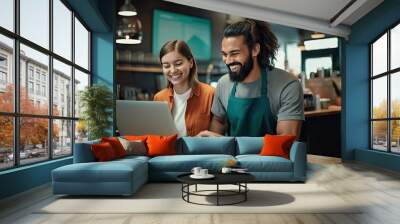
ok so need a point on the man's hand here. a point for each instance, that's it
(208, 134)
(217, 128)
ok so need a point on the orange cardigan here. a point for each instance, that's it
(198, 110)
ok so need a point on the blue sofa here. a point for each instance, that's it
(125, 176)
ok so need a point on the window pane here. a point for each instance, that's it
(62, 29)
(35, 21)
(321, 43)
(379, 135)
(33, 139)
(395, 94)
(395, 47)
(395, 136)
(379, 55)
(81, 131)
(34, 97)
(62, 89)
(62, 138)
(81, 45)
(6, 142)
(379, 98)
(7, 14)
(6, 74)
(81, 81)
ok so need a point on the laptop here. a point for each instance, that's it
(144, 117)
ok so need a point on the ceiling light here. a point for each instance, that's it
(127, 9)
(317, 35)
(129, 31)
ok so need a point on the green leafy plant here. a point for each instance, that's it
(96, 102)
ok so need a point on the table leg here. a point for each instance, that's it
(245, 191)
(217, 194)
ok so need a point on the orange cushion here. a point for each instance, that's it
(103, 151)
(116, 145)
(277, 145)
(161, 145)
(135, 137)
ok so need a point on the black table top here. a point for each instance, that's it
(220, 178)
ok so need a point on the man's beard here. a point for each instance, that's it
(244, 70)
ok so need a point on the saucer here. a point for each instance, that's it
(208, 176)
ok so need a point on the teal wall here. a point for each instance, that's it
(356, 86)
(100, 16)
(24, 178)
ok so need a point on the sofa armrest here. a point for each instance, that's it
(83, 152)
(298, 155)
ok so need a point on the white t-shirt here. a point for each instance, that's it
(179, 110)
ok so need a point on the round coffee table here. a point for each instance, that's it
(238, 179)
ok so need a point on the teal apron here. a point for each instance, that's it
(251, 116)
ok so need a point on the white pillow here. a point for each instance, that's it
(135, 147)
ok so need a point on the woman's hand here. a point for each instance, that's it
(207, 133)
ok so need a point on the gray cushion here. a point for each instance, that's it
(133, 147)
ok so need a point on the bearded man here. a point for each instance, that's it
(255, 98)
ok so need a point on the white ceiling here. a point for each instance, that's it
(314, 15)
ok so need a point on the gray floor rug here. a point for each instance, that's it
(166, 198)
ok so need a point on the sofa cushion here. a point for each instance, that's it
(206, 145)
(277, 145)
(185, 163)
(257, 163)
(83, 152)
(116, 145)
(103, 152)
(133, 147)
(112, 171)
(249, 145)
(161, 145)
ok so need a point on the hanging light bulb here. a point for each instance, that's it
(317, 35)
(127, 9)
(129, 31)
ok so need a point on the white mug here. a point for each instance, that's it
(203, 172)
(196, 170)
(226, 170)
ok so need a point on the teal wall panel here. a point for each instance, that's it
(195, 31)
(24, 178)
(356, 86)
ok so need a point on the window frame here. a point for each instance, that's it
(388, 74)
(16, 114)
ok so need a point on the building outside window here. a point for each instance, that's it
(35, 76)
(3, 72)
(385, 91)
(43, 90)
(38, 89)
(43, 77)
(30, 72)
(3, 80)
(30, 87)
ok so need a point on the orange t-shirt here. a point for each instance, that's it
(198, 110)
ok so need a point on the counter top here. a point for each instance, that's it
(331, 110)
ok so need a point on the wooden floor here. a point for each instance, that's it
(377, 188)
